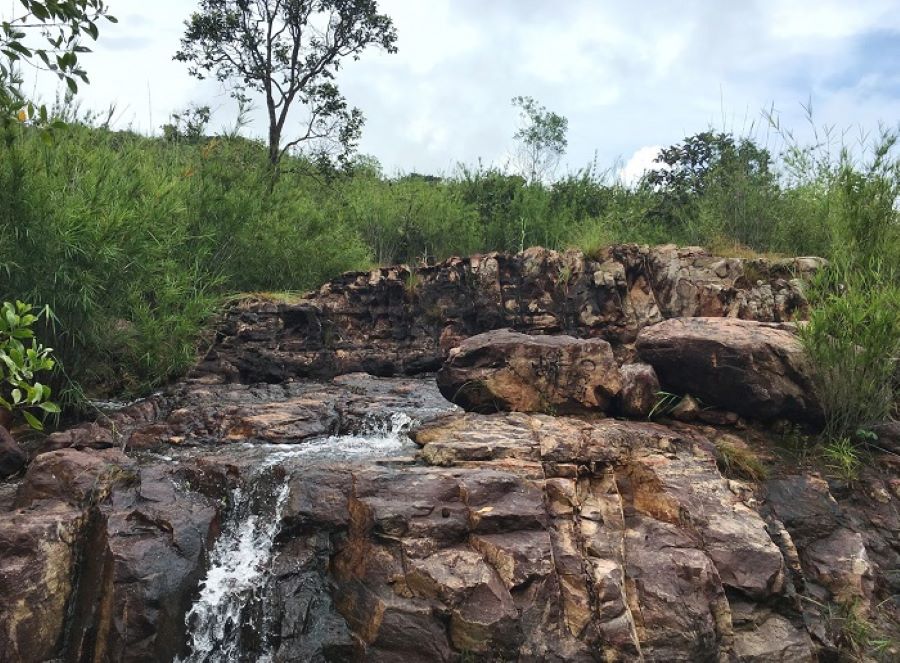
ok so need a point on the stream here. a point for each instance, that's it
(232, 603)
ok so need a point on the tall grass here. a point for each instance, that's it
(853, 335)
(135, 241)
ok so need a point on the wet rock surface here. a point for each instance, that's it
(367, 519)
(510, 536)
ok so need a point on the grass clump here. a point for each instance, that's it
(736, 460)
(853, 335)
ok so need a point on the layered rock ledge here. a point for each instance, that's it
(402, 320)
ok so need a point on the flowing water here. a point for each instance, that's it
(237, 577)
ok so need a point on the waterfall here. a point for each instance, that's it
(241, 558)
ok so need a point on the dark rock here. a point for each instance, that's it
(640, 390)
(12, 457)
(758, 370)
(888, 436)
(688, 409)
(504, 370)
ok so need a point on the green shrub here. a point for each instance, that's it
(853, 340)
(22, 358)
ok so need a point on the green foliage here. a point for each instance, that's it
(853, 336)
(842, 458)
(135, 241)
(188, 125)
(288, 51)
(48, 35)
(853, 339)
(22, 357)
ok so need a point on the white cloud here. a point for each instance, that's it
(639, 163)
(625, 75)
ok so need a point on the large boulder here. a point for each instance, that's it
(756, 369)
(505, 370)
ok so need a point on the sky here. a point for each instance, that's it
(629, 76)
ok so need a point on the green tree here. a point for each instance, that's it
(689, 168)
(289, 51)
(47, 35)
(541, 140)
(714, 185)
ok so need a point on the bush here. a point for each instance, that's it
(22, 357)
(134, 241)
(853, 339)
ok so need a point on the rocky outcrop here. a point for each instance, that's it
(402, 320)
(513, 536)
(756, 369)
(504, 370)
(253, 514)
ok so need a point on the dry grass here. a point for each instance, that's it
(728, 248)
(737, 460)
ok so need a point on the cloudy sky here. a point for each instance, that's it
(629, 76)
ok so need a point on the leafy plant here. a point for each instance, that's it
(48, 35)
(22, 357)
(853, 340)
(541, 137)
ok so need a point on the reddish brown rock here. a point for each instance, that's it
(758, 370)
(504, 370)
(372, 322)
(640, 390)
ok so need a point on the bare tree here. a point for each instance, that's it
(542, 139)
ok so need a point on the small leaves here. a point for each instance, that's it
(62, 24)
(19, 363)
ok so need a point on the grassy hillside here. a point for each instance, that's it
(134, 241)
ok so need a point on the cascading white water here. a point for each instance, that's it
(242, 555)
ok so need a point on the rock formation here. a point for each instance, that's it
(504, 370)
(259, 513)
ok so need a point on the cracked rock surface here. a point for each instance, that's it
(386, 524)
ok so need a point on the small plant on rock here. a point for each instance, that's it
(737, 460)
(22, 357)
(665, 403)
(842, 458)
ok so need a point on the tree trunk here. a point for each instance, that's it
(274, 156)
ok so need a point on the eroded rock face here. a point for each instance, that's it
(504, 370)
(376, 323)
(640, 390)
(509, 536)
(756, 369)
(515, 536)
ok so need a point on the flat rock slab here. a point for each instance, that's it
(756, 369)
(505, 370)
